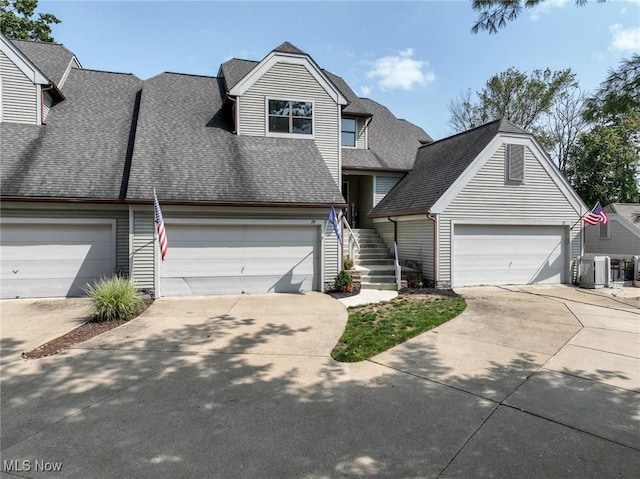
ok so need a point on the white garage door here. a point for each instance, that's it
(234, 259)
(44, 259)
(489, 254)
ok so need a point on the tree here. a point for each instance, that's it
(565, 123)
(604, 165)
(495, 14)
(17, 21)
(546, 103)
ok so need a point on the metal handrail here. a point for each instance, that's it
(352, 238)
(396, 264)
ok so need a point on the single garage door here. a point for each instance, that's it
(51, 259)
(234, 259)
(489, 254)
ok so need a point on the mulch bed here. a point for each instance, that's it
(343, 294)
(83, 332)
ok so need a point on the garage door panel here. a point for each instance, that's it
(56, 233)
(232, 259)
(182, 253)
(55, 270)
(202, 286)
(99, 250)
(235, 267)
(508, 254)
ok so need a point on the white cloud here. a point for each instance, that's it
(545, 7)
(400, 72)
(625, 39)
(365, 90)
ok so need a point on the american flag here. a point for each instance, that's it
(162, 235)
(595, 215)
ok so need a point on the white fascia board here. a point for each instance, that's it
(502, 138)
(74, 63)
(278, 57)
(22, 62)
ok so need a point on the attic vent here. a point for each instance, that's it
(515, 163)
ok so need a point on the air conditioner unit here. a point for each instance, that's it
(595, 271)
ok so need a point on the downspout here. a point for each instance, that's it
(435, 248)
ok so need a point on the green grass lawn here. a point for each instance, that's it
(374, 328)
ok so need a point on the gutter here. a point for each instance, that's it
(147, 201)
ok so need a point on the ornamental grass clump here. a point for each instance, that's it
(114, 299)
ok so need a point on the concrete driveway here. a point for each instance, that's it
(521, 384)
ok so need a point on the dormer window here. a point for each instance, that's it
(290, 117)
(348, 132)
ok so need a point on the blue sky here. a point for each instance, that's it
(413, 57)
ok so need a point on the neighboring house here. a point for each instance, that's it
(246, 166)
(486, 206)
(620, 236)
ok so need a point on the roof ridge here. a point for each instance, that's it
(185, 74)
(94, 70)
(485, 125)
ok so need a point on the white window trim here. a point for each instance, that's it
(289, 135)
(355, 133)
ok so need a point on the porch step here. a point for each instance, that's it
(385, 286)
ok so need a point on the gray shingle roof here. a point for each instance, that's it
(436, 168)
(393, 142)
(186, 150)
(235, 70)
(81, 151)
(287, 47)
(52, 59)
(629, 211)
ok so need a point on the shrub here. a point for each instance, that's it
(343, 281)
(114, 299)
(347, 263)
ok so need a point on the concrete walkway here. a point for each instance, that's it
(519, 385)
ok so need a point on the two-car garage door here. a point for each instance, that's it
(52, 258)
(508, 254)
(231, 259)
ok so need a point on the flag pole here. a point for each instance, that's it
(582, 217)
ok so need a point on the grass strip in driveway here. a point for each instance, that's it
(374, 328)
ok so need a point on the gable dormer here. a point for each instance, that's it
(21, 86)
(286, 95)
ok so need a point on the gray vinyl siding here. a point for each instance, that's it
(143, 254)
(384, 184)
(19, 94)
(415, 242)
(487, 198)
(65, 211)
(294, 82)
(46, 106)
(361, 134)
(144, 228)
(621, 241)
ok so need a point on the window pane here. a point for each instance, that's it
(302, 125)
(302, 108)
(279, 124)
(348, 138)
(278, 107)
(349, 124)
